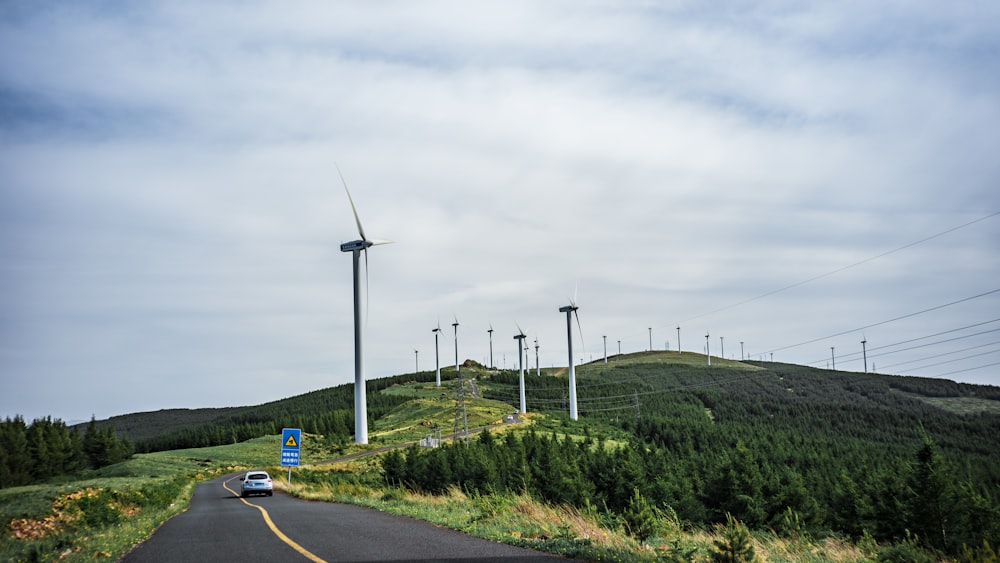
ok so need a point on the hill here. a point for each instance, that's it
(665, 441)
(650, 383)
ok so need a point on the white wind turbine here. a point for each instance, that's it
(437, 356)
(520, 364)
(355, 248)
(570, 311)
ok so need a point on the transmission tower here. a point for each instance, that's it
(460, 411)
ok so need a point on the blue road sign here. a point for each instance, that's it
(291, 440)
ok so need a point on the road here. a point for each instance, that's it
(221, 526)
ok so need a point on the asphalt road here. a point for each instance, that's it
(220, 526)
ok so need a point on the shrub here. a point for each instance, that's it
(734, 544)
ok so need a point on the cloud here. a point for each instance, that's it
(170, 210)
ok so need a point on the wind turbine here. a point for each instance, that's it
(416, 361)
(708, 352)
(538, 367)
(864, 351)
(570, 311)
(520, 365)
(491, 345)
(355, 248)
(437, 356)
(455, 326)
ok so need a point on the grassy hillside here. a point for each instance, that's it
(812, 464)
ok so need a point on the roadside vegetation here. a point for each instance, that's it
(670, 461)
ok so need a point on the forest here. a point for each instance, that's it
(46, 448)
(780, 447)
(787, 448)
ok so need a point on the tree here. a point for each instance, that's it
(931, 501)
(733, 544)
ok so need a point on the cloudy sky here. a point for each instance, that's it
(789, 176)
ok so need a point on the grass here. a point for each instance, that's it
(104, 513)
(665, 357)
(960, 405)
(517, 519)
(417, 418)
(101, 514)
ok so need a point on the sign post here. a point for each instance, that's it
(291, 441)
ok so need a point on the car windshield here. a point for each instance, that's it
(257, 476)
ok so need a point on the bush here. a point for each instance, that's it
(641, 519)
(733, 544)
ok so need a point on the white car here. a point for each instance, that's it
(256, 482)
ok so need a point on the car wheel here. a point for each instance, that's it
(270, 493)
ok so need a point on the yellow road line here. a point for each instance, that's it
(270, 524)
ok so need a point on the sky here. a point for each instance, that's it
(788, 178)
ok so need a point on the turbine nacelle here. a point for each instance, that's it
(355, 245)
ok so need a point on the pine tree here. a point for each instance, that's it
(734, 544)
(931, 496)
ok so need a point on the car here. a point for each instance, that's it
(256, 482)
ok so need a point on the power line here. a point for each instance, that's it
(901, 342)
(967, 369)
(957, 359)
(859, 329)
(913, 347)
(940, 355)
(838, 270)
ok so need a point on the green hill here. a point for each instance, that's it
(663, 441)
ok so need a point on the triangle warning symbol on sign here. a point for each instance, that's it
(290, 442)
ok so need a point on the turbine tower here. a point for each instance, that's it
(416, 361)
(605, 337)
(538, 367)
(678, 339)
(708, 353)
(437, 356)
(455, 326)
(355, 248)
(519, 337)
(570, 311)
(491, 345)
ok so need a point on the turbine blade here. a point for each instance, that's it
(366, 286)
(583, 347)
(361, 230)
(377, 242)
